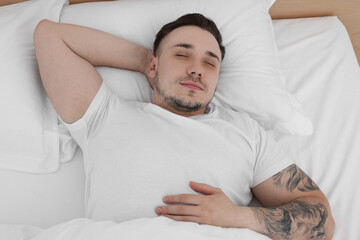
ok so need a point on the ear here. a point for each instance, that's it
(152, 67)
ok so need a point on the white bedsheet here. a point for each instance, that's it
(43, 199)
(159, 228)
(321, 70)
(18, 232)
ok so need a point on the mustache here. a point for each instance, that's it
(193, 79)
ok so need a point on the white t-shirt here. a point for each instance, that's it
(135, 153)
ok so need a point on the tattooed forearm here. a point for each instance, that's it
(294, 178)
(296, 220)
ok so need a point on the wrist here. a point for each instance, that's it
(244, 217)
(147, 54)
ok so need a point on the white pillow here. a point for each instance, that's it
(250, 79)
(29, 138)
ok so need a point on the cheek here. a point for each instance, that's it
(213, 81)
(170, 73)
(164, 79)
(166, 67)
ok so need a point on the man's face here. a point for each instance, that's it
(186, 71)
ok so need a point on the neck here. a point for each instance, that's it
(181, 110)
(183, 113)
(179, 106)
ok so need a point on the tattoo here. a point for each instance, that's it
(293, 177)
(297, 219)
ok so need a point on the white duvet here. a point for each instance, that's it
(157, 228)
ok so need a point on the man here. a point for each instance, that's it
(226, 147)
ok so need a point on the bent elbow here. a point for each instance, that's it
(43, 29)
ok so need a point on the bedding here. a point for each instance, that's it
(18, 232)
(321, 71)
(159, 228)
(29, 137)
(250, 79)
(43, 199)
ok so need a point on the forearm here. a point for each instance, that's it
(306, 218)
(303, 217)
(100, 48)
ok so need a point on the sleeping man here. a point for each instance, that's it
(178, 156)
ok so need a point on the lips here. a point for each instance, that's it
(192, 85)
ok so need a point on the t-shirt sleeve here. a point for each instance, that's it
(270, 158)
(94, 116)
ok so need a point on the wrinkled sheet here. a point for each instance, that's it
(159, 228)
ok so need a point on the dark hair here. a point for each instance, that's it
(192, 19)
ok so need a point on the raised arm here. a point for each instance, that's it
(66, 56)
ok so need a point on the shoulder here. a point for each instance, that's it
(117, 102)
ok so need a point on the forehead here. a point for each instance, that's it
(201, 39)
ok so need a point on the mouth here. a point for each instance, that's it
(192, 86)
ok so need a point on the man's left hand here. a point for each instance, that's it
(213, 207)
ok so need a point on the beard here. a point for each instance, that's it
(177, 103)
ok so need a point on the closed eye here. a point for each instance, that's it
(209, 63)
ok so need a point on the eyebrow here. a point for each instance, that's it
(190, 46)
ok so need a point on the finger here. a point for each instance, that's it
(204, 188)
(183, 210)
(184, 218)
(183, 198)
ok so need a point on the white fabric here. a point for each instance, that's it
(251, 79)
(29, 138)
(136, 153)
(18, 232)
(43, 199)
(322, 71)
(321, 68)
(159, 228)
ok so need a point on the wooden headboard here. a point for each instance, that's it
(348, 11)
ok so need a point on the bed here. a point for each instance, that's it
(319, 64)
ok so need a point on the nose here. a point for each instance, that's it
(194, 70)
(196, 74)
